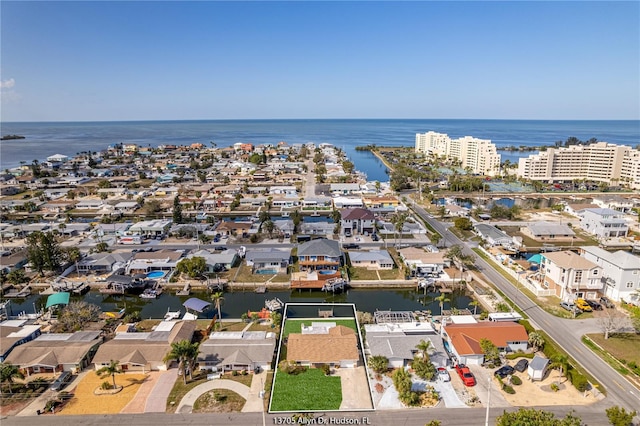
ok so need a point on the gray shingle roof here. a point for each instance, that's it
(320, 247)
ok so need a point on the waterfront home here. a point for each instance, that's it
(151, 228)
(493, 236)
(104, 263)
(574, 209)
(144, 351)
(620, 271)
(464, 339)
(268, 260)
(421, 262)
(324, 343)
(380, 202)
(603, 223)
(548, 231)
(237, 350)
(347, 202)
(372, 260)
(317, 228)
(357, 221)
(319, 254)
(344, 188)
(126, 206)
(14, 333)
(216, 262)
(614, 202)
(570, 275)
(55, 352)
(90, 204)
(234, 228)
(397, 342)
(147, 261)
(12, 261)
(284, 226)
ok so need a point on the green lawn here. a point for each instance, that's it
(308, 391)
(623, 346)
(294, 326)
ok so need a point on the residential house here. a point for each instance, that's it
(357, 221)
(604, 223)
(464, 339)
(104, 263)
(54, 352)
(620, 271)
(320, 254)
(269, 260)
(146, 261)
(372, 260)
(493, 236)
(126, 206)
(347, 202)
(574, 209)
(614, 202)
(14, 333)
(398, 342)
(548, 231)
(570, 275)
(344, 188)
(422, 263)
(380, 202)
(237, 350)
(12, 261)
(217, 262)
(144, 351)
(234, 228)
(151, 228)
(324, 343)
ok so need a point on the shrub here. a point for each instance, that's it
(234, 373)
(578, 380)
(554, 387)
(326, 369)
(379, 388)
(508, 389)
(517, 355)
(515, 380)
(106, 385)
(484, 315)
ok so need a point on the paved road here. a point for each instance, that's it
(619, 390)
(417, 417)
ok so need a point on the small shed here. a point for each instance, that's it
(538, 368)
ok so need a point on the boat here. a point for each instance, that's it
(170, 316)
(151, 293)
(426, 282)
(315, 214)
(274, 304)
(334, 284)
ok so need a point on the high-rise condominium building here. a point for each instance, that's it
(600, 162)
(480, 155)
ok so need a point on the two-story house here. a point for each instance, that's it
(604, 223)
(357, 221)
(320, 255)
(620, 271)
(570, 275)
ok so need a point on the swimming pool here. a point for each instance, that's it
(156, 274)
(266, 271)
(327, 272)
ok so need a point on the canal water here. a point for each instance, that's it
(237, 303)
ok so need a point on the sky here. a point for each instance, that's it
(122, 60)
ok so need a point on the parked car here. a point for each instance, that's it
(374, 237)
(444, 374)
(61, 381)
(568, 306)
(351, 246)
(594, 305)
(466, 375)
(606, 302)
(521, 365)
(583, 305)
(504, 371)
(221, 248)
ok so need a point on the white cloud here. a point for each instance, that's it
(7, 84)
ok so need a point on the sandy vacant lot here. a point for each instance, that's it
(86, 402)
(539, 393)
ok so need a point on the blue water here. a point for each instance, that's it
(266, 271)
(327, 271)
(44, 139)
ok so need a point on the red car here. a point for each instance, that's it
(466, 375)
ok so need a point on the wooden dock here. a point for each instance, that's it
(186, 290)
(261, 289)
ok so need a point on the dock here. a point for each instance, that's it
(185, 291)
(261, 290)
(334, 284)
(18, 294)
(274, 304)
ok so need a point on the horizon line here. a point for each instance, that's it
(317, 119)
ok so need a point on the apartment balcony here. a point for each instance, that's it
(595, 284)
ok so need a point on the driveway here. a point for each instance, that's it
(186, 404)
(445, 389)
(354, 383)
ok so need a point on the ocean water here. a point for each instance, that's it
(69, 138)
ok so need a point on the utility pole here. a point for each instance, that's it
(486, 417)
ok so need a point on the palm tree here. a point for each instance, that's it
(475, 304)
(424, 347)
(442, 299)
(110, 370)
(269, 227)
(217, 299)
(398, 222)
(536, 340)
(8, 372)
(185, 353)
(560, 362)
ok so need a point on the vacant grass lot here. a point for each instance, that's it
(308, 391)
(622, 346)
(295, 326)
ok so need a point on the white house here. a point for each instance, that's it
(620, 271)
(373, 260)
(604, 223)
